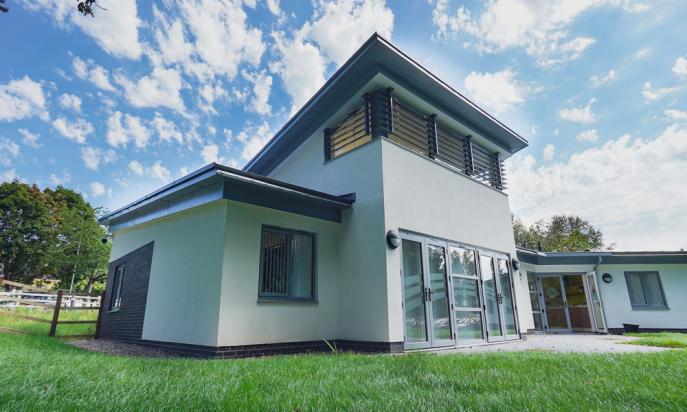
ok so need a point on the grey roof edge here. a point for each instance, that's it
(606, 257)
(216, 169)
(375, 37)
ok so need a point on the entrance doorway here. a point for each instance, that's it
(455, 294)
(568, 302)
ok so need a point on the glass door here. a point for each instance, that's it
(467, 301)
(492, 310)
(595, 303)
(506, 300)
(554, 304)
(577, 303)
(415, 314)
(426, 303)
(438, 294)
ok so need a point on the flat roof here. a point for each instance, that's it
(216, 181)
(606, 257)
(378, 55)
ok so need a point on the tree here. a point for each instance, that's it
(84, 7)
(53, 232)
(3, 8)
(560, 234)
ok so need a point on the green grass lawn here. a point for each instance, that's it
(42, 373)
(38, 328)
(664, 339)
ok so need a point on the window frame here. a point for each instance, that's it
(277, 297)
(641, 273)
(116, 296)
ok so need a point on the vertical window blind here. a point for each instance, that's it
(645, 290)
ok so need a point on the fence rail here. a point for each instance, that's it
(47, 299)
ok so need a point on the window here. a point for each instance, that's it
(116, 299)
(287, 264)
(645, 290)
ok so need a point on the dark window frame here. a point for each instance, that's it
(116, 293)
(287, 297)
(635, 306)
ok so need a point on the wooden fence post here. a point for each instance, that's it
(100, 314)
(56, 313)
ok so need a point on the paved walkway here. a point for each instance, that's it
(562, 343)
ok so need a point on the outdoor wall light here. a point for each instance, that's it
(393, 239)
(515, 263)
(607, 278)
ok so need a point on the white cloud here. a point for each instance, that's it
(22, 99)
(131, 129)
(171, 39)
(8, 152)
(650, 93)
(598, 81)
(499, 91)
(8, 175)
(628, 187)
(262, 84)
(549, 151)
(70, 101)
(300, 65)
(579, 114)
(166, 130)
(539, 27)
(210, 153)
(115, 30)
(94, 73)
(160, 172)
(136, 168)
(98, 189)
(253, 139)
(680, 67)
(341, 26)
(159, 89)
(93, 156)
(76, 131)
(30, 139)
(643, 53)
(273, 7)
(223, 39)
(60, 180)
(210, 93)
(676, 115)
(590, 135)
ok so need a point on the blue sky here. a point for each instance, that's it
(118, 105)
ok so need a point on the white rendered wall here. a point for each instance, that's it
(184, 287)
(616, 299)
(362, 265)
(243, 320)
(427, 198)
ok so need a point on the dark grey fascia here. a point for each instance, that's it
(378, 55)
(215, 182)
(607, 258)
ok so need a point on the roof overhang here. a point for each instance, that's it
(216, 182)
(377, 55)
(608, 258)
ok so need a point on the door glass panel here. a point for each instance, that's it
(534, 300)
(441, 323)
(507, 298)
(596, 303)
(465, 293)
(553, 302)
(469, 325)
(463, 262)
(490, 299)
(577, 302)
(413, 290)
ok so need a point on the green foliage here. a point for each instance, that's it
(560, 234)
(50, 232)
(40, 373)
(32, 327)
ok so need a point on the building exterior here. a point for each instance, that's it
(374, 220)
(602, 291)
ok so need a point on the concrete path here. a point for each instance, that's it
(562, 343)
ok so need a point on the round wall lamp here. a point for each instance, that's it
(393, 239)
(607, 278)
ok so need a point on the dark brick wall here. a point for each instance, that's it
(127, 322)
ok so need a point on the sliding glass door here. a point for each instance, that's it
(467, 300)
